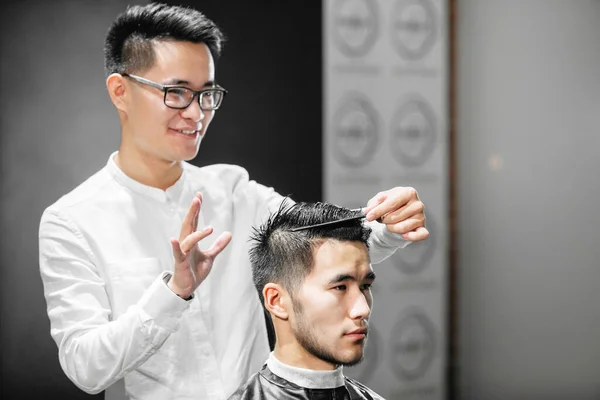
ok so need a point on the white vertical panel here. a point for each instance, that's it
(385, 124)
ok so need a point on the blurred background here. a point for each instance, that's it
(488, 108)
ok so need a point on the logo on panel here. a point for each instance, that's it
(413, 28)
(413, 132)
(355, 26)
(412, 345)
(355, 129)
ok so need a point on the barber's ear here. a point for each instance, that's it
(276, 300)
(115, 84)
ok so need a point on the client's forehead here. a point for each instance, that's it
(334, 256)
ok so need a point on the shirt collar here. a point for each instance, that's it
(172, 193)
(306, 378)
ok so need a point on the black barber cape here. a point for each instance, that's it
(265, 385)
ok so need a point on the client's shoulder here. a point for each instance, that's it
(361, 390)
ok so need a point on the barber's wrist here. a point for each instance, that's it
(168, 282)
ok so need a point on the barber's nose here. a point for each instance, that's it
(193, 111)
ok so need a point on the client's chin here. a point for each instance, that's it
(354, 361)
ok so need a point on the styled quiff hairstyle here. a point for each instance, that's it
(283, 256)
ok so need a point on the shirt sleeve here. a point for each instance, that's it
(94, 350)
(264, 200)
(383, 243)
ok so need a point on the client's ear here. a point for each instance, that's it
(275, 300)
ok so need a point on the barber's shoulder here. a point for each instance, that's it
(84, 192)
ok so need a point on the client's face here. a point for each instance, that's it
(332, 308)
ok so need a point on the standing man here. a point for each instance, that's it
(140, 301)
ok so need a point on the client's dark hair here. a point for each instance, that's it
(282, 256)
(129, 42)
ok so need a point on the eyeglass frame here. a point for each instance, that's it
(165, 88)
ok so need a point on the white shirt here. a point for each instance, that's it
(306, 378)
(104, 254)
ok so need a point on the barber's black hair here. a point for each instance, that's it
(129, 42)
(279, 255)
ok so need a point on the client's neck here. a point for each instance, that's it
(293, 354)
(306, 378)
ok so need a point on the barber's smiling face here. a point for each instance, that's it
(159, 131)
(332, 307)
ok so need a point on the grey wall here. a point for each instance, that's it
(529, 158)
(57, 127)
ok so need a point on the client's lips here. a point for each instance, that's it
(362, 331)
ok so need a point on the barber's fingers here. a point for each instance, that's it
(219, 244)
(389, 201)
(408, 225)
(411, 210)
(192, 239)
(190, 221)
(181, 249)
(416, 235)
(177, 253)
(375, 201)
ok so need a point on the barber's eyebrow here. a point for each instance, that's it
(183, 82)
(345, 277)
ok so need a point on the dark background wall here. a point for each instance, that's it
(271, 65)
(57, 127)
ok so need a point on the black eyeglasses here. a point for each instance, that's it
(180, 97)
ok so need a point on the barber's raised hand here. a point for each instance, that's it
(193, 265)
(401, 211)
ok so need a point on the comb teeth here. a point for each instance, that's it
(337, 221)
